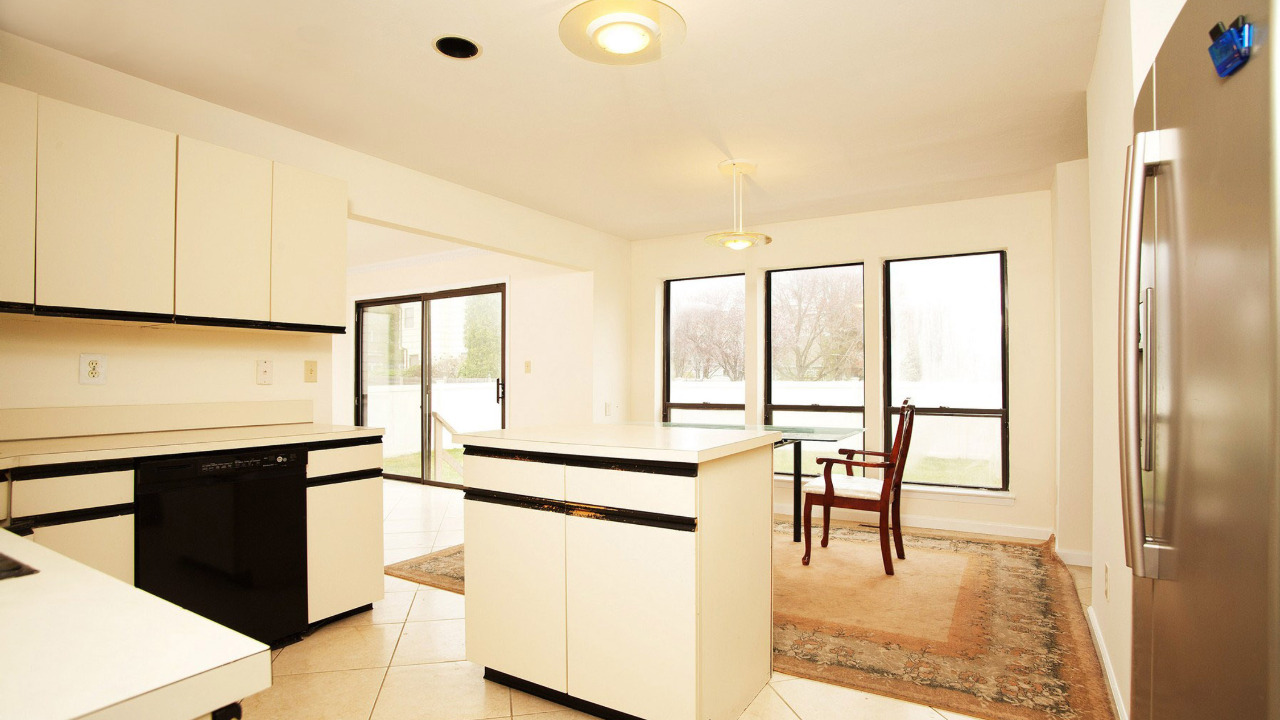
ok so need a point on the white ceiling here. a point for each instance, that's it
(847, 105)
(369, 244)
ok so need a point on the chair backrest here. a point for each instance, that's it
(902, 441)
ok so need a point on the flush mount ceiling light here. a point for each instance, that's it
(737, 239)
(622, 32)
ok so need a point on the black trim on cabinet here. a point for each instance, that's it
(653, 467)
(36, 472)
(345, 442)
(16, 307)
(344, 477)
(556, 696)
(591, 512)
(73, 516)
(258, 324)
(96, 314)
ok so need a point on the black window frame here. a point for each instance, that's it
(667, 405)
(942, 411)
(769, 406)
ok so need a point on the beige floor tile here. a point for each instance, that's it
(436, 604)
(339, 648)
(781, 677)
(394, 584)
(395, 555)
(341, 695)
(444, 691)
(391, 541)
(818, 701)
(561, 714)
(405, 526)
(451, 522)
(768, 705)
(447, 539)
(1086, 596)
(391, 609)
(274, 653)
(436, 641)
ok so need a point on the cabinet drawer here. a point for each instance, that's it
(518, 477)
(336, 461)
(105, 544)
(649, 492)
(71, 492)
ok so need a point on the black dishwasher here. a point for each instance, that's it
(224, 535)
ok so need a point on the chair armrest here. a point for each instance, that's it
(850, 453)
(853, 463)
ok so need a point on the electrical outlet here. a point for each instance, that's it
(310, 371)
(93, 369)
(1106, 580)
(528, 366)
(608, 409)
(265, 372)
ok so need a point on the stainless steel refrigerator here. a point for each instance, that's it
(1199, 378)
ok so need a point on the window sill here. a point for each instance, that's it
(951, 494)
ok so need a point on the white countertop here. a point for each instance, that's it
(78, 643)
(625, 442)
(87, 448)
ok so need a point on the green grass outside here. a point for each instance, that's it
(922, 471)
(410, 465)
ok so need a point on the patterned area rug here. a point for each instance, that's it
(442, 569)
(990, 629)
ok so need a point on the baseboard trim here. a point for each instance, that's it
(1100, 646)
(1075, 557)
(1021, 532)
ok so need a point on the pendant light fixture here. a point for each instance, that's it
(737, 238)
(622, 32)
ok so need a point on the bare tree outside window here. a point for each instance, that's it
(706, 330)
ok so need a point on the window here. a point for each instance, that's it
(946, 344)
(704, 363)
(814, 359)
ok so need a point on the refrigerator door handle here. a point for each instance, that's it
(1130, 319)
(1147, 342)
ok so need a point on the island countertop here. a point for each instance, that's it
(81, 644)
(625, 442)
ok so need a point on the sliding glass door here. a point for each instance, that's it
(429, 366)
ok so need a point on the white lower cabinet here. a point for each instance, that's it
(515, 570)
(105, 544)
(344, 546)
(632, 610)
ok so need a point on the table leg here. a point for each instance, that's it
(795, 493)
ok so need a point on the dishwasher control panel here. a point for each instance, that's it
(272, 459)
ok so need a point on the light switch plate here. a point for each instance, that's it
(265, 372)
(93, 369)
(310, 371)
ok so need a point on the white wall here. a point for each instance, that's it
(40, 361)
(1020, 224)
(1074, 337)
(549, 312)
(378, 190)
(1132, 31)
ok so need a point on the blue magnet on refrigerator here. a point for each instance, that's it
(1231, 46)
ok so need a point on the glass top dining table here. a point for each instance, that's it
(792, 435)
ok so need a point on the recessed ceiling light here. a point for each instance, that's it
(622, 32)
(457, 47)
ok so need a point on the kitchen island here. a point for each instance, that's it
(621, 569)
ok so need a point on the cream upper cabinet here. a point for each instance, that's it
(308, 248)
(17, 195)
(223, 233)
(104, 211)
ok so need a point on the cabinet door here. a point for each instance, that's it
(17, 195)
(515, 591)
(105, 544)
(104, 211)
(344, 547)
(308, 248)
(223, 233)
(631, 601)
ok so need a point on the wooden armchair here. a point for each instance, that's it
(882, 495)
